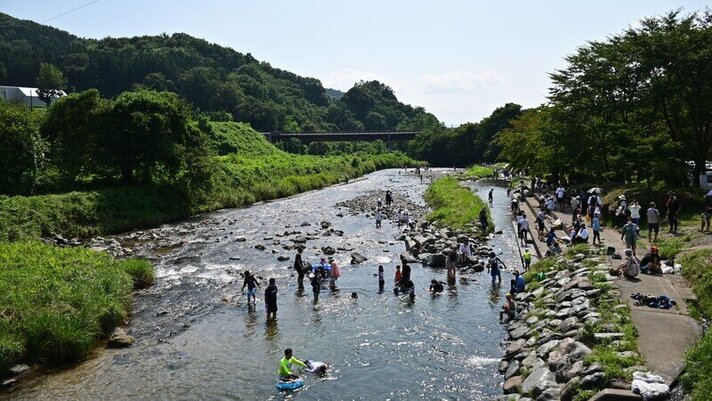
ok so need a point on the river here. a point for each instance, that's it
(198, 339)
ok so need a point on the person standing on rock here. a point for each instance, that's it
(335, 274)
(299, 268)
(490, 196)
(379, 217)
(465, 251)
(271, 299)
(389, 199)
(252, 285)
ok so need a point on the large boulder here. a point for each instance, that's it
(512, 385)
(328, 250)
(408, 258)
(539, 381)
(435, 260)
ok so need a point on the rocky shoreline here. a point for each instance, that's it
(562, 322)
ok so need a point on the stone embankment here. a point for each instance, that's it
(571, 336)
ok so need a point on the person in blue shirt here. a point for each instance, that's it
(518, 283)
(596, 226)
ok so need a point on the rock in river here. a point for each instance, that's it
(357, 258)
(119, 339)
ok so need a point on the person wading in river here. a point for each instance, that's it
(299, 268)
(271, 299)
(252, 285)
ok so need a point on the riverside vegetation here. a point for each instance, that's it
(55, 303)
(454, 205)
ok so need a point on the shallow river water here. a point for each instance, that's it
(198, 339)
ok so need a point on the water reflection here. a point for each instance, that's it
(271, 330)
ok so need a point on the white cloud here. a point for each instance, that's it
(345, 79)
(466, 81)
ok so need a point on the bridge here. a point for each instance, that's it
(307, 137)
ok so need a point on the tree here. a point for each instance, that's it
(149, 137)
(72, 127)
(21, 150)
(50, 83)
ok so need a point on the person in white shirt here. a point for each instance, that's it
(465, 252)
(581, 236)
(560, 194)
(524, 228)
(379, 217)
(635, 212)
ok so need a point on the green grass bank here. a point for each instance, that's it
(246, 168)
(56, 303)
(454, 205)
(697, 379)
(479, 172)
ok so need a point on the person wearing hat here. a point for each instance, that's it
(335, 274)
(630, 266)
(650, 263)
(653, 222)
(621, 211)
(517, 284)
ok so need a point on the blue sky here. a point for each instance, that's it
(458, 59)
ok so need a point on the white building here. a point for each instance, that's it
(23, 95)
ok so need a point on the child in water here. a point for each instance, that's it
(381, 279)
(252, 285)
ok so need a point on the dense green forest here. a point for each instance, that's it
(467, 144)
(216, 80)
(636, 107)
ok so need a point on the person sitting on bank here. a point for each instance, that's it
(285, 364)
(509, 309)
(581, 236)
(630, 266)
(436, 286)
(650, 263)
(517, 284)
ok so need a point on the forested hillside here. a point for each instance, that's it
(216, 80)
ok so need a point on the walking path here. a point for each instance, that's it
(664, 334)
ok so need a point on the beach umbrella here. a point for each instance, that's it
(595, 190)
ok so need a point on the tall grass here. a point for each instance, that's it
(55, 303)
(454, 205)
